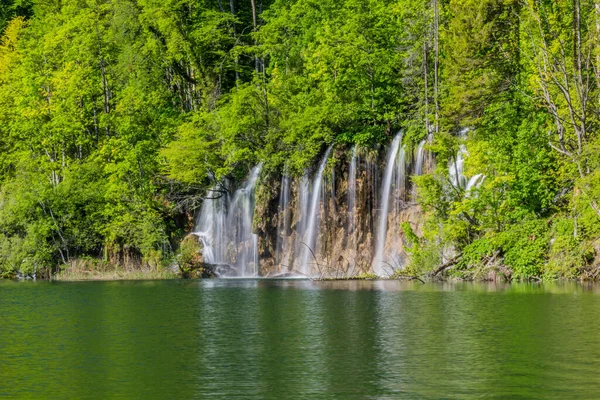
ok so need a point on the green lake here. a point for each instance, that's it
(287, 339)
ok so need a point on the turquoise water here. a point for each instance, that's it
(255, 339)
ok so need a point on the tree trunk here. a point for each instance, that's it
(597, 14)
(104, 79)
(256, 62)
(232, 8)
(436, 51)
(425, 72)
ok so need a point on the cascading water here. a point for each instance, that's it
(378, 261)
(419, 160)
(312, 225)
(475, 181)
(303, 203)
(456, 169)
(225, 228)
(240, 219)
(400, 179)
(210, 227)
(302, 209)
(362, 229)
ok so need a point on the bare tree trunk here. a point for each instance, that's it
(582, 88)
(256, 62)
(436, 50)
(565, 89)
(105, 88)
(597, 13)
(232, 8)
(426, 79)
(104, 79)
(577, 36)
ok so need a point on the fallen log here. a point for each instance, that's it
(450, 263)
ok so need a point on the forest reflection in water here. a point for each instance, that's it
(236, 338)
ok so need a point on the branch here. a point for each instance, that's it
(446, 265)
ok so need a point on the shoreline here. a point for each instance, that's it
(86, 270)
(84, 276)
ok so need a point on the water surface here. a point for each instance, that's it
(255, 339)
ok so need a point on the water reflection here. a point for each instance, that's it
(298, 339)
(567, 287)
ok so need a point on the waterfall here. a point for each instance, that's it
(400, 179)
(420, 156)
(210, 227)
(225, 228)
(303, 200)
(475, 181)
(301, 217)
(354, 225)
(312, 231)
(456, 169)
(378, 260)
(239, 219)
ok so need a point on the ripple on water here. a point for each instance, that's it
(266, 338)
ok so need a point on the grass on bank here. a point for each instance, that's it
(96, 270)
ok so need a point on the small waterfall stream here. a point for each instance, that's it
(475, 181)
(419, 160)
(312, 224)
(456, 169)
(210, 226)
(400, 180)
(301, 218)
(378, 260)
(225, 228)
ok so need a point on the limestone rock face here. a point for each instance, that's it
(331, 221)
(348, 217)
(266, 220)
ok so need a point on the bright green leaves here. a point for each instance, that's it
(195, 155)
(336, 67)
(86, 116)
(116, 115)
(481, 45)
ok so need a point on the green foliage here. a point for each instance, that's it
(117, 116)
(411, 237)
(568, 253)
(525, 246)
(426, 259)
(424, 252)
(472, 255)
(523, 249)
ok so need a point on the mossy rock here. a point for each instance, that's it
(190, 260)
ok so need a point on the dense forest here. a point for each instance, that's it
(117, 116)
